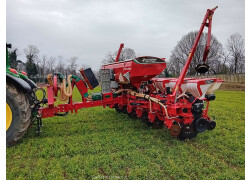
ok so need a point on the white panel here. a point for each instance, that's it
(213, 87)
(193, 89)
(171, 85)
(204, 89)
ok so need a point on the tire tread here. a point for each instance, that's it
(25, 114)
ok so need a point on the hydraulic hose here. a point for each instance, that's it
(150, 99)
(155, 100)
(65, 92)
(49, 78)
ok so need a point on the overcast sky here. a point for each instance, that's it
(89, 29)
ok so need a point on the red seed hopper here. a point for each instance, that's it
(137, 70)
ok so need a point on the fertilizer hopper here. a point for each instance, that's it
(162, 83)
(183, 87)
(216, 83)
(198, 87)
(137, 70)
(203, 88)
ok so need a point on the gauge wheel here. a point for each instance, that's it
(132, 114)
(187, 132)
(117, 109)
(157, 124)
(145, 119)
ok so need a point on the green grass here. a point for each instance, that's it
(99, 143)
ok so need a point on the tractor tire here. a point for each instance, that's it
(18, 115)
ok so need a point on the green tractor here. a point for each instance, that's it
(19, 102)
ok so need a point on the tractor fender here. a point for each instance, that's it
(31, 83)
(18, 83)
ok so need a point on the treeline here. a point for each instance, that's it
(38, 66)
(228, 59)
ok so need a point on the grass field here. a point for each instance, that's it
(99, 143)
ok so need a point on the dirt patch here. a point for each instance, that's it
(232, 86)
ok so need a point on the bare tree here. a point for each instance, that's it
(221, 65)
(73, 65)
(109, 58)
(181, 52)
(127, 53)
(85, 66)
(60, 65)
(43, 65)
(67, 71)
(38, 67)
(51, 64)
(31, 53)
(236, 48)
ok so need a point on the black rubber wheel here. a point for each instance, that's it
(124, 110)
(187, 132)
(187, 135)
(117, 109)
(145, 119)
(201, 125)
(158, 124)
(211, 125)
(20, 112)
(132, 115)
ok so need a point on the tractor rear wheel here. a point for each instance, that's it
(18, 114)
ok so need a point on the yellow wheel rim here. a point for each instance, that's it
(8, 116)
